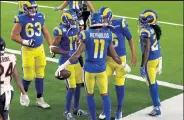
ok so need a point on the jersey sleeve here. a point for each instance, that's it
(145, 33)
(57, 31)
(125, 30)
(110, 37)
(16, 19)
(42, 18)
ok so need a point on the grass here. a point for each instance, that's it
(137, 95)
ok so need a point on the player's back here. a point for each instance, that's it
(7, 63)
(148, 32)
(97, 42)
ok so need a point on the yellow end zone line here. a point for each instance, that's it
(162, 22)
(130, 76)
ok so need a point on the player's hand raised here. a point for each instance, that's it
(29, 43)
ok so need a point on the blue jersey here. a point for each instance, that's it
(31, 27)
(148, 32)
(68, 41)
(97, 43)
(75, 4)
(119, 31)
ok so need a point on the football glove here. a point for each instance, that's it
(126, 68)
(52, 54)
(143, 72)
(62, 67)
(29, 43)
(24, 101)
(70, 53)
(56, 9)
(159, 67)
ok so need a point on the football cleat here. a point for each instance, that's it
(80, 112)
(41, 103)
(155, 112)
(68, 116)
(102, 116)
(118, 116)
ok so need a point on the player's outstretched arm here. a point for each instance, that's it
(92, 9)
(78, 52)
(61, 7)
(15, 33)
(18, 81)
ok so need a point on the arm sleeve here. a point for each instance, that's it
(125, 30)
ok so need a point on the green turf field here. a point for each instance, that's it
(137, 95)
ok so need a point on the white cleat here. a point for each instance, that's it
(41, 103)
(102, 115)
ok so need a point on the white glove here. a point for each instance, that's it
(126, 67)
(29, 43)
(159, 67)
(24, 101)
(52, 54)
(60, 68)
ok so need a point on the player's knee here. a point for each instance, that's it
(120, 81)
(29, 77)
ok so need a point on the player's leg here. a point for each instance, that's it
(102, 83)
(78, 78)
(151, 77)
(109, 71)
(89, 82)
(71, 85)
(5, 99)
(40, 62)
(119, 86)
(28, 66)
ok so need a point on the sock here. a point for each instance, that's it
(107, 106)
(154, 94)
(39, 83)
(69, 96)
(120, 97)
(26, 84)
(77, 96)
(91, 106)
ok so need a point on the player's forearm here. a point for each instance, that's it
(117, 59)
(92, 9)
(145, 57)
(16, 37)
(132, 47)
(18, 81)
(58, 51)
(61, 7)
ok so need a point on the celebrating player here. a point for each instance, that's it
(119, 28)
(28, 30)
(97, 43)
(7, 70)
(65, 36)
(150, 34)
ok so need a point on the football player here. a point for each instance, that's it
(28, 30)
(119, 29)
(97, 43)
(150, 34)
(65, 36)
(7, 70)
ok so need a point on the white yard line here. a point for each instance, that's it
(162, 22)
(171, 109)
(138, 78)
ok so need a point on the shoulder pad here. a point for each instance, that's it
(57, 31)
(16, 19)
(123, 22)
(144, 32)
